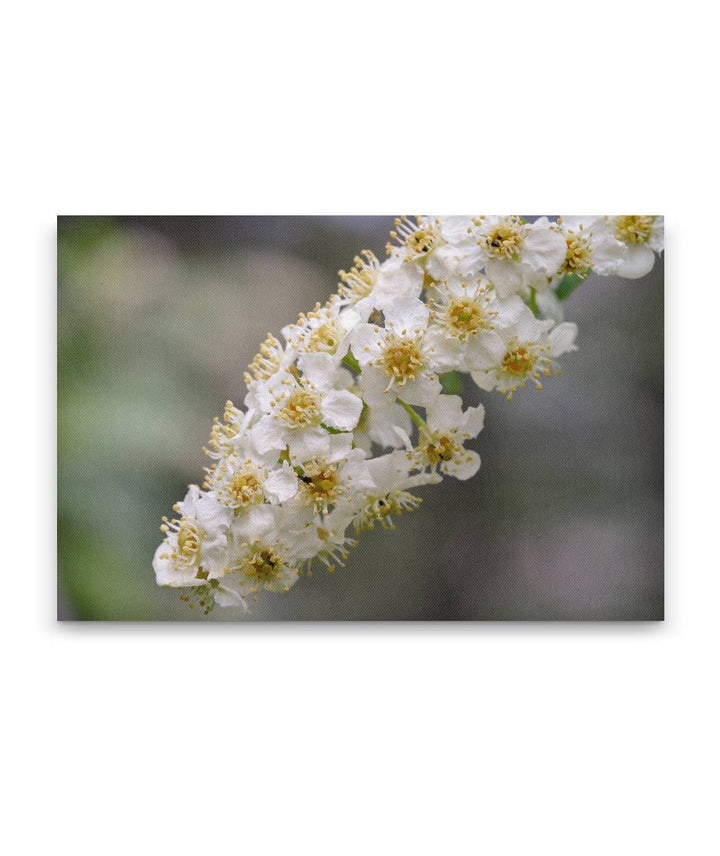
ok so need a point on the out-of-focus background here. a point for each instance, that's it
(157, 320)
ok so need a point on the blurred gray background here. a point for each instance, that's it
(157, 320)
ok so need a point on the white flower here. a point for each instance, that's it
(298, 409)
(263, 563)
(464, 318)
(436, 246)
(530, 346)
(415, 239)
(641, 237)
(381, 416)
(396, 358)
(590, 245)
(241, 482)
(390, 496)
(231, 436)
(370, 287)
(621, 246)
(441, 441)
(261, 552)
(550, 306)
(326, 480)
(194, 544)
(359, 282)
(323, 330)
(519, 256)
(270, 359)
(580, 250)
(281, 484)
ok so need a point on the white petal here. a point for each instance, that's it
(474, 420)
(404, 437)
(213, 555)
(509, 311)
(562, 338)
(444, 262)
(257, 521)
(339, 446)
(281, 484)
(637, 262)
(189, 504)
(318, 368)
(445, 353)
(389, 471)
(366, 342)
(373, 384)
(397, 283)
(445, 412)
(269, 435)
(306, 544)
(485, 351)
(230, 591)
(544, 250)
(384, 424)
(308, 442)
(607, 253)
(485, 380)
(422, 391)
(341, 409)
(167, 573)
(463, 470)
(408, 314)
(505, 275)
(455, 228)
(657, 236)
(212, 515)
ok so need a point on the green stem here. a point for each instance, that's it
(532, 302)
(413, 414)
(569, 284)
(332, 430)
(352, 363)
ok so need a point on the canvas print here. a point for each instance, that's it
(451, 418)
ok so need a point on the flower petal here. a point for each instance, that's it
(341, 409)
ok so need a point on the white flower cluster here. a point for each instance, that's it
(348, 416)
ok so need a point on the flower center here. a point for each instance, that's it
(519, 361)
(236, 484)
(633, 229)
(188, 540)
(325, 338)
(401, 358)
(301, 409)
(503, 243)
(438, 448)
(321, 483)
(381, 510)
(422, 242)
(578, 256)
(465, 317)
(244, 489)
(261, 565)
(360, 280)
(419, 238)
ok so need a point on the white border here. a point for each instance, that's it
(507, 739)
